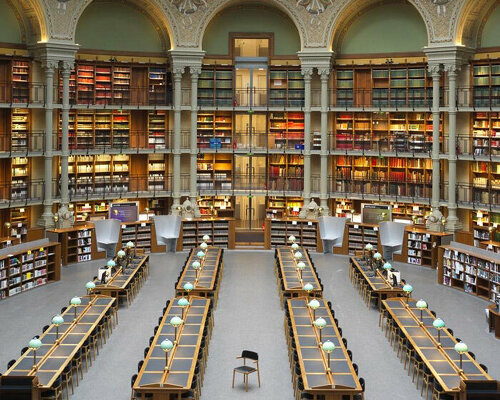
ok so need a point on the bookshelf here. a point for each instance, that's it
(342, 207)
(222, 206)
(158, 130)
(420, 246)
(20, 128)
(20, 178)
(78, 243)
(89, 210)
(486, 84)
(286, 172)
(359, 235)
(215, 86)
(473, 270)
(485, 133)
(286, 130)
(121, 84)
(215, 130)
(384, 131)
(139, 233)
(19, 219)
(306, 232)
(215, 172)
(344, 88)
(410, 211)
(286, 88)
(20, 81)
(25, 269)
(220, 230)
(392, 176)
(481, 222)
(490, 245)
(485, 178)
(157, 172)
(282, 206)
(159, 86)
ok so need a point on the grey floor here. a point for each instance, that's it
(248, 316)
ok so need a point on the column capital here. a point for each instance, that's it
(195, 72)
(66, 66)
(452, 69)
(178, 71)
(49, 65)
(324, 73)
(434, 69)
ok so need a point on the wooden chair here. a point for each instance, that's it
(55, 392)
(246, 369)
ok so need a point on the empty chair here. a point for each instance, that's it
(247, 369)
(45, 328)
(331, 230)
(391, 238)
(10, 363)
(484, 367)
(168, 228)
(107, 233)
(24, 350)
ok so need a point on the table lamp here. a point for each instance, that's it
(308, 288)
(166, 346)
(120, 255)
(291, 239)
(57, 320)
(313, 305)
(34, 344)
(203, 245)
(439, 324)
(196, 266)
(328, 347)
(75, 301)
(368, 248)
(407, 289)
(129, 246)
(90, 286)
(387, 267)
(461, 348)
(183, 303)
(188, 286)
(378, 259)
(295, 246)
(176, 322)
(200, 255)
(206, 238)
(297, 255)
(320, 323)
(421, 305)
(300, 267)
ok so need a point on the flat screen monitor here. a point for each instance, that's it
(376, 213)
(124, 212)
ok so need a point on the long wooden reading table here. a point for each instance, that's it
(290, 280)
(210, 274)
(442, 360)
(154, 379)
(341, 379)
(55, 355)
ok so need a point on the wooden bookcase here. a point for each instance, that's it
(92, 209)
(286, 172)
(481, 222)
(306, 232)
(20, 81)
(356, 236)
(20, 128)
(78, 243)
(420, 246)
(384, 131)
(341, 207)
(20, 178)
(485, 133)
(142, 234)
(220, 230)
(21, 270)
(215, 172)
(486, 83)
(282, 206)
(157, 172)
(473, 271)
(215, 86)
(215, 130)
(286, 87)
(221, 206)
(158, 130)
(491, 246)
(485, 179)
(286, 130)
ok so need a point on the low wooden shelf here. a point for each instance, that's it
(306, 232)
(356, 236)
(220, 230)
(490, 245)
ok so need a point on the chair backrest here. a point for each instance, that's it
(107, 230)
(252, 355)
(332, 228)
(167, 226)
(391, 233)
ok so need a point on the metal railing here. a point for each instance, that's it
(478, 146)
(31, 142)
(30, 191)
(23, 93)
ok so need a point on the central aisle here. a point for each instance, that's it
(248, 316)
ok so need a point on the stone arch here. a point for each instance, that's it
(472, 15)
(31, 18)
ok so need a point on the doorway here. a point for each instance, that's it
(251, 81)
(250, 131)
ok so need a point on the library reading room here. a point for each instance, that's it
(250, 199)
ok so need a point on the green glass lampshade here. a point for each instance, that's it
(295, 246)
(166, 345)
(176, 321)
(200, 254)
(301, 265)
(130, 245)
(377, 256)
(206, 238)
(120, 254)
(421, 304)
(407, 289)
(188, 286)
(461, 348)
(369, 247)
(438, 323)
(183, 302)
(76, 301)
(328, 346)
(297, 255)
(90, 285)
(320, 323)
(291, 239)
(35, 344)
(196, 265)
(313, 304)
(203, 246)
(111, 264)
(387, 266)
(57, 320)
(308, 287)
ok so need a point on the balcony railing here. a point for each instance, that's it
(26, 192)
(478, 146)
(23, 93)
(31, 142)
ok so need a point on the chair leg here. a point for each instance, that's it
(246, 376)
(233, 378)
(258, 376)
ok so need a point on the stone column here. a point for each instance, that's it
(193, 192)
(65, 219)
(47, 219)
(324, 74)
(434, 222)
(176, 185)
(453, 224)
(307, 73)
